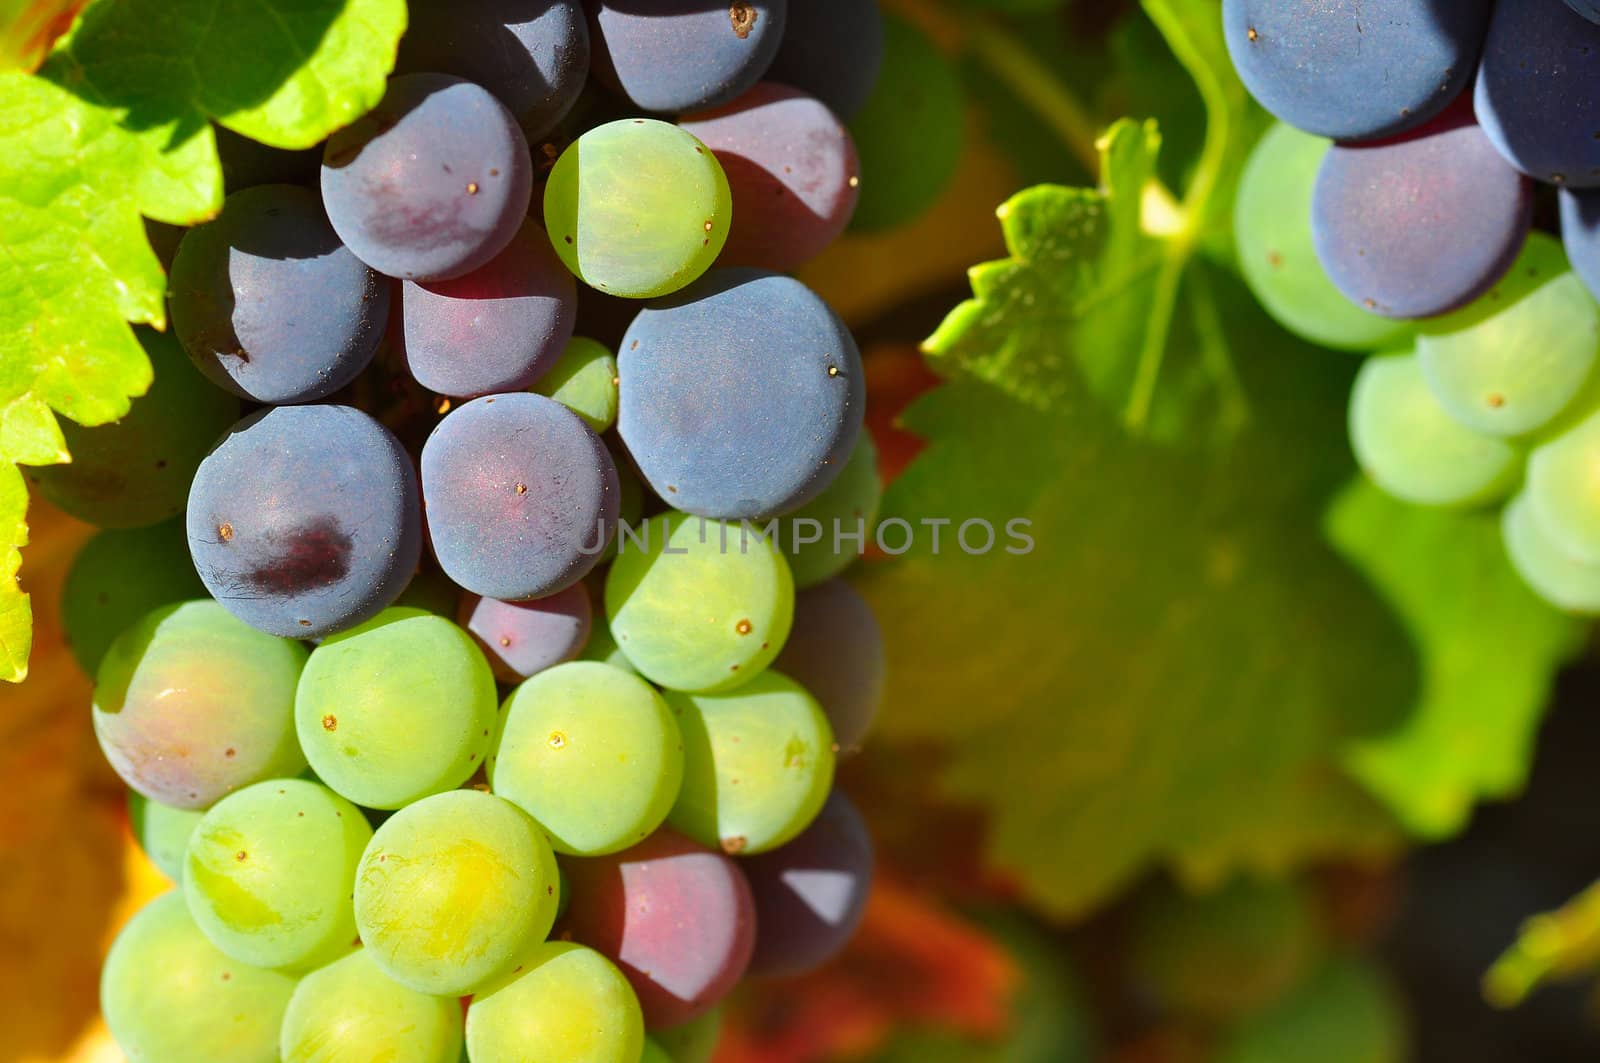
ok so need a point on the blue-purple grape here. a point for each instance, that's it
(832, 49)
(672, 56)
(835, 650)
(1538, 91)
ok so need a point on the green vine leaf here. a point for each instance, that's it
(116, 128)
(16, 619)
(29, 27)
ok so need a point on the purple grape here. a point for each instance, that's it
(832, 49)
(270, 305)
(532, 54)
(305, 521)
(1589, 9)
(522, 638)
(1580, 235)
(811, 894)
(496, 329)
(673, 56)
(1538, 91)
(740, 396)
(835, 650)
(793, 171)
(432, 183)
(521, 496)
(1420, 225)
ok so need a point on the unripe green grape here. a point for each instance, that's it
(162, 832)
(1272, 228)
(568, 1000)
(698, 604)
(654, 1053)
(1413, 448)
(1509, 363)
(758, 764)
(592, 754)
(453, 890)
(118, 577)
(602, 647)
(1555, 575)
(269, 872)
(694, 1041)
(848, 505)
(395, 709)
(351, 1012)
(1564, 489)
(168, 994)
(637, 208)
(584, 380)
(1347, 1012)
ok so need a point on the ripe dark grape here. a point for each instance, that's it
(532, 54)
(496, 329)
(523, 638)
(811, 894)
(832, 49)
(432, 183)
(270, 305)
(1419, 226)
(673, 56)
(522, 497)
(1580, 235)
(1538, 92)
(741, 396)
(793, 172)
(678, 919)
(1589, 9)
(305, 520)
(135, 472)
(835, 650)
(1355, 69)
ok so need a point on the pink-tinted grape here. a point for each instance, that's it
(521, 639)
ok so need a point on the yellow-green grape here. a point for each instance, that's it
(654, 1053)
(694, 1041)
(169, 996)
(395, 709)
(269, 872)
(1564, 489)
(453, 890)
(1228, 953)
(162, 832)
(845, 514)
(637, 208)
(1510, 362)
(584, 380)
(351, 1012)
(757, 764)
(1555, 575)
(697, 604)
(564, 1003)
(192, 703)
(1272, 228)
(602, 647)
(1413, 448)
(592, 754)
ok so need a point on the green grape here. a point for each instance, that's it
(1228, 953)
(269, 871)
(637, 208)
(454, 890)
(162, 832)
(1344, 1013)
(1511, 362)
(1552, 573)
(602, 647)
(1564, 489)
(136, 471)
(584, 380)
(654, 1053)
(909, 133)
(757, 764)
(118, 577)
(1272, 227)
(694, 1041)
(395, 709)
(192, 703)
(351, 1012)
(709, 613)
(592, 754)
(568, 1000)
(168, 995)
(849, 504)
(1413, 448)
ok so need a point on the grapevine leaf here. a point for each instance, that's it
(16, 621)
(116, 128)
(1489, 648)
(1553, 946)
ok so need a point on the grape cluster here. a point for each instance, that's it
(1432, 193)
(459, 663)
